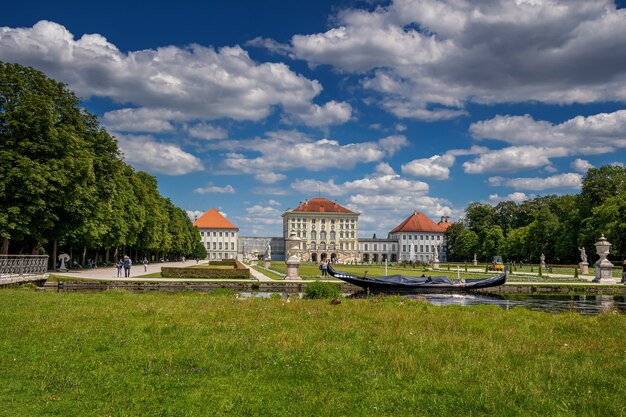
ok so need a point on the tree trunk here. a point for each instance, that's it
(54, 254)
(5, 246)
(115, 253)
(84, 255)
(106, 256)
(36, 248)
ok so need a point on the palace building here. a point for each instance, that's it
(325, 229)
(415, 239)
(218, 235)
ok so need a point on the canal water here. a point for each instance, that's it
(582, 304)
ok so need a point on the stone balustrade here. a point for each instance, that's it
(16, 268)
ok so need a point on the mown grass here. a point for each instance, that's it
(155, 354)
(309, 270)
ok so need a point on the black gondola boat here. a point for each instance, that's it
(402, 283)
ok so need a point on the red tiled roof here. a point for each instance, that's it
(321, 205)
(418, 222)
(212, 219)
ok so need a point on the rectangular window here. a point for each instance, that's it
(232, 246)
(426, 237)
(214, 234)
(432, 248)
(375, 247)
(403, 248)
(220, 245)
(385, 247)
(415, 248)
(214, 245)
(403, 237)
(410, 237)
(366, 246)
(421, 248)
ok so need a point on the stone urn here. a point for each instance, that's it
(604, 268)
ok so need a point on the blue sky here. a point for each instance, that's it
(385, 107)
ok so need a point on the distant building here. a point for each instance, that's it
(326, 230)
(249, 246)
(418, 236)
(378, 249)
(218, 235)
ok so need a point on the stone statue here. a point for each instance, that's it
(436, 254)
(542, 258)
(583, 255)
(268, 252)
(64, 257)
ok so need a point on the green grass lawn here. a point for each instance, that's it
(310, 270)
(189, 354)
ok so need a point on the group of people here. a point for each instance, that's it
(125, 263)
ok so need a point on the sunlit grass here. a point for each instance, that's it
(121, 353)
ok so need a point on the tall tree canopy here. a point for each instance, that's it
(553, 225)
(62, 179)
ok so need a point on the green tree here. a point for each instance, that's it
(468, 244)
(600, 184)
(608, 218)
(493, 243)
(47, 173)
(516, 245)
(542, 233)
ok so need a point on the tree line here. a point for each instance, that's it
(555, 225)
(64, 184)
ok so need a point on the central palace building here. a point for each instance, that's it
(325, 230)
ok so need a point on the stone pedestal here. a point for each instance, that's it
(293, 269)
(267, 264)
(604, 268)
(254, 262)
(475, 261)
(584, 268)
(436, 265)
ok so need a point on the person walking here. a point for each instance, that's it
(145, 264)
(324, 267)
(119, 264)
(127, 264)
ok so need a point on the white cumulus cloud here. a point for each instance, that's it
(426, 59)
(146, 153)
(200, 82)
(567, 180)
(210, 188)
(581, 165)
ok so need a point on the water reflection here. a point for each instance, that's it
(585, 304)
(582, 304)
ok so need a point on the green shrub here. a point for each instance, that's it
(207, 273)
(319, 289)
(575, 272)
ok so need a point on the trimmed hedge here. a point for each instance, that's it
(239, 271)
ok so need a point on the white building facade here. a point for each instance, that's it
(325, 229)
(218, 235)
